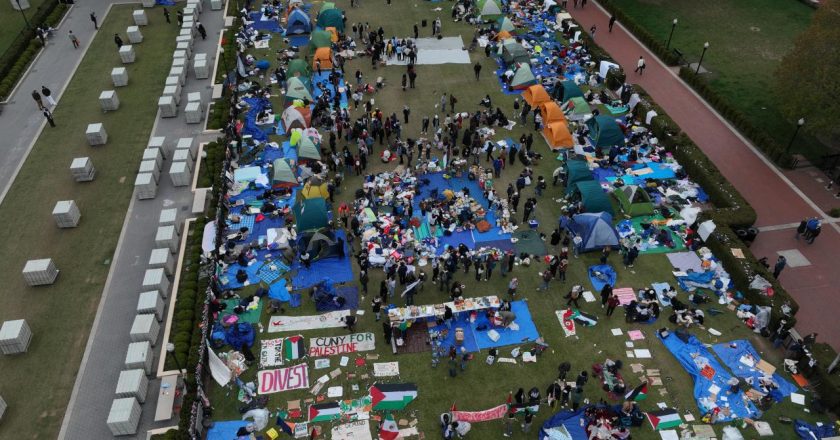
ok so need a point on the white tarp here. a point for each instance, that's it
(208, 240)
(448, 50)
(706, 228)
(220, 372)
(605, 67)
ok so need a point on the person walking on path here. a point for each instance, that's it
(93, 19)
(813, 229)
(48, 95)
(781, 262)
(612, 22)
(118, 40)
(201, 30)
(582, 4)
(37, 97)
(166, 15)
(48, 115)
(640, 66)
(477, 70)
(592, 31)
(73, 39)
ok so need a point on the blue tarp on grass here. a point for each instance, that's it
(338, 269)
(469, 344)
(608, 274)
(255, 106)
(692, 354)
(226, 430)
(350, 295)
(571, 420)
(527, 329)
(264, 25)
(324, 78)
(730, 353)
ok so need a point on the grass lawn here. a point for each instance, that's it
(37, 385)
(11, 21)
(483, 386)
(748, 39)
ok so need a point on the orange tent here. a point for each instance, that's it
(324, 56)
(557, 135)
(551, 112)
(503, 35)
(333, 34)
(535, 95)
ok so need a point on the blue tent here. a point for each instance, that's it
(298, 23)
(596, 230)
(565, 424)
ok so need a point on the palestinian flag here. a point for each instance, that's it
(638, 394)
(392, 396)
(519, 408)
(584, 319)
(293, 348)
(666, 419)
(389, 429)
(324, 412)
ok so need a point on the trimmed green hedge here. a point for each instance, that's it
(189, 300)
(14, 62)
(655, 46)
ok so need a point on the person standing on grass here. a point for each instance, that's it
(201, 30)
(452, 101)
(166, 15)
(612, 303)
(477, 70)
(640, 66)
(612, 22)
(73, 39)
(605, 254)
(48, 115)
(526, 424)
(510, 419)
(561, 269)
(442, 104)
(574, 295)
(180, 16)
(93, 19)
(513, 286)
(118, 40)
(37, 97)
(606, 292)
(48, 95)
(416, 31)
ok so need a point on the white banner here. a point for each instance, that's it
(271, 353)
(299, 323)
(386, 369)
(334, 345)
(358, 430)
(283, 379)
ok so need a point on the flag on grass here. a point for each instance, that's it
(665, 419)
(392, 396)
(293, 348)
(324, 412)
(389, 429)
(638, 394)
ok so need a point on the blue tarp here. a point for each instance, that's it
(256, 105)
(264, 25)
(324, 78)
(660, 289)
(469, 344)
(339, 269)
(730, 353)
(226, 430)
(351, 298)
(660, 172)
(241, 333)
(571, 420)
(527, 329)
(693, 280)
(693, 356)
(807, 431)
(278, 291)
(607, 276)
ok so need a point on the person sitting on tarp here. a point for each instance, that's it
(507, 318)
(664, 238)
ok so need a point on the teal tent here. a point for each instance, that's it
(577, 171)
(513, 52)
(331, 18)
(310, 214)
(605, 132)
(570, 90)
(308, 149)
(593, 197)
(282, 172)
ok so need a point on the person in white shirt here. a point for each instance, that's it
(640, 66)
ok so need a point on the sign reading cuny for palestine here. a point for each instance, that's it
(283, 379)
(334, 345)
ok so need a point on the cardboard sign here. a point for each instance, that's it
(386, 369)
(283, 379)
(301, 430)
(358, 430)
(480, 416)
(271, 352)
(334, 345)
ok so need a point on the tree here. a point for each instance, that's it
(807, 78)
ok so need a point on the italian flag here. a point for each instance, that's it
(666, 419)
(293, 348)
(324, 412)
(389, 430)
(393, 397)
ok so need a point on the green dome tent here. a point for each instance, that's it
(310, 214)
(298, 67)
(319, 38)
(308, 149)
(634, 201)
(592, 196)
(576, 171)
(282, 172)
(489, 10)
(504, 24)
(576, 109)
(331, 18)
(523, 77)
(296, 89)
(513, 52)
(605, 132)
(326, 6)
(570, 90)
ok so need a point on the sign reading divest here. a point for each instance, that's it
(334, 345)
(283, 379)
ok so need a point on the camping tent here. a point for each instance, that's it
(296, 89)
(294, 117)
(503, 35)
(331, 18)
(570, 90)
(298, 23)
(522, 77)
(320, 243)
(333, 34)
(282, 173)
(327, 5)
(513, 52)
(577, 171)
(576, 109)
(535, 95)
(308, 149)
(557, 135)
(551, 112)
(298, 67)
(634, 201)
(592, 196)
(489, 9)
(320, 38)
(323, 55)
(504, 24)
(314, 190)
(596, 230)
(605, 132)
(310, 213)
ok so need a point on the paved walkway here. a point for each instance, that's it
(776, 199)
(105, 352)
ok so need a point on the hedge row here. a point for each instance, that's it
(25, 47)
(220, 111)
(648, 39)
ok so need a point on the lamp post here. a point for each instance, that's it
(23, 14)
(170, 348)
(799, 125)
(705, 48)
(673, 26)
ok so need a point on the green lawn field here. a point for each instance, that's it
(11, 21)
